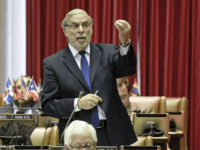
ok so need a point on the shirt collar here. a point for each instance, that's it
(75, 51)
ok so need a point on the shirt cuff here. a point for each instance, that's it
(124, 50)
(75, 102)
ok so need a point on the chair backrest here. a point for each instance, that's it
(179, 104)
(43, 120)
(157, 103)
(145, 102)
(49, 135)
(54, 137)
(176, 104)
(37, 136)
(140, 122)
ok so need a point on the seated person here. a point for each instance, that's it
(125, 95)
(24, 103)
(79, 135)
(123, 89)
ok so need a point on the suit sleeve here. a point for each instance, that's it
(124, 65)
(52, 103)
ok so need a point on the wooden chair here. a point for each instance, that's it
(144, 102)
(179, 104)
(51, 136)
(161, 121)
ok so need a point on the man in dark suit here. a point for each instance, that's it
(68, 72)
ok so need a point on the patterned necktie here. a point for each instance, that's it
(86, 74)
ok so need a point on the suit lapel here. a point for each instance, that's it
(95, 55)
(71, 64)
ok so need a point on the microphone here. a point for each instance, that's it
(46, 126)
(80, 95)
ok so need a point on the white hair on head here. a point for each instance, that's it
(78, 126)
(73, 12)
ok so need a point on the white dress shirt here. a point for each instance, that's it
(77, 58)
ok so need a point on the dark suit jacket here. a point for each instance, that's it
(63, 82)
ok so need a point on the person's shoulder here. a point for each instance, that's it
(54, 57)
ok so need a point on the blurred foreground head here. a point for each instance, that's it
(79, 135)
(29, 101)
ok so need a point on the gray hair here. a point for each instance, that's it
(78, 126)
(71, 13)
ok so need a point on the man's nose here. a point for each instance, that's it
(80, 28)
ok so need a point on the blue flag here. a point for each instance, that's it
(8, 95)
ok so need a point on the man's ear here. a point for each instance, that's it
(65, 31)
(95, 145)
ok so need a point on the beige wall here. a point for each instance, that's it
(2, 87)
(12, 44)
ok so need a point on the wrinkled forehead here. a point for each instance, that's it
(80, 17)
(83, 137)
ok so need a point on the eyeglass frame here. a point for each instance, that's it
(71, 26)
(78, 148)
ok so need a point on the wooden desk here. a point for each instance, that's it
(175, 139)
(162, 141)
(26, 119)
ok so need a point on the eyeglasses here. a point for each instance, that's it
(76, 26)
(85, 147)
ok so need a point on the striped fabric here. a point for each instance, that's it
(25, 90)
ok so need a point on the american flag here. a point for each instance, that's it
(25, 90)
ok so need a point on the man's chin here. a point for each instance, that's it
(81, 47)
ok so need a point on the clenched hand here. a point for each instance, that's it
(124, 29)
(89, 101)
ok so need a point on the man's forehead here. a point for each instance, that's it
(123, 89)
(79, 17)
(81, 138)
